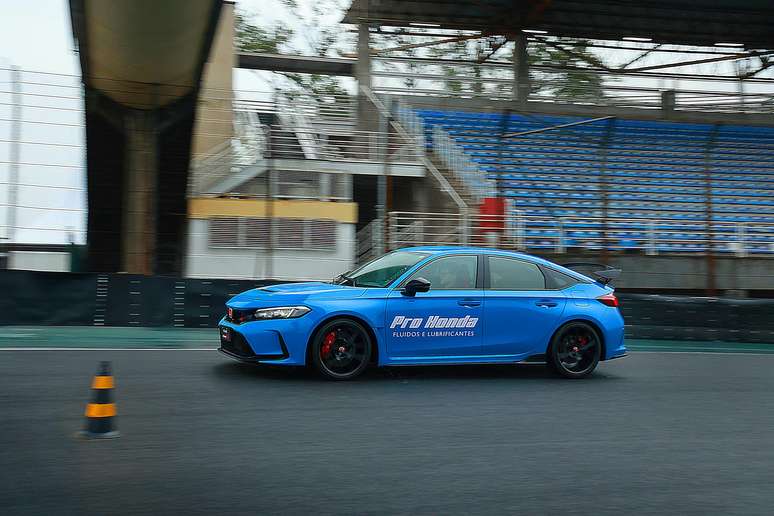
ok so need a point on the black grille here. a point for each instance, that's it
(237, 345)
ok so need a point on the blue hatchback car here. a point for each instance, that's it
(431, 305)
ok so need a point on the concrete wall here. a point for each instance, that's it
(205, 262)
(684, 272)
(39, 261)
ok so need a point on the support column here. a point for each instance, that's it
(668, 102)
(363, 66)
(708, 207)
(140, 191)
(14, 154)
(367, 119)
(604, 187)
(366, 189)
(521, 84)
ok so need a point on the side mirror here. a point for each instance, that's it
(414, 286)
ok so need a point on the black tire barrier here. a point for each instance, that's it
(81, 299)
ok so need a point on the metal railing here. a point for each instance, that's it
(459, 163)
(341, 145)
(330, 109)
(244, 149)
(622, 88)
(412, 123)
(370, 241)
(400, 130)
(561, 234)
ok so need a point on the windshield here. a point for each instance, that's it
(382, 271)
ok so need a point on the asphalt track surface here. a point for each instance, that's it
(664, 433)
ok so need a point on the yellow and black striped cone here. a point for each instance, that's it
(101, 412)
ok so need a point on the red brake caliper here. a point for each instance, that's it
(325, 349)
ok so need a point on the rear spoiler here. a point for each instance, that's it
(599, 272)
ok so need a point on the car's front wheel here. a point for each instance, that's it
(575, 350)
(341, 349)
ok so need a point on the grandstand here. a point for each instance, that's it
(619, 184)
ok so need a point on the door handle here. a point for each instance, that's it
(546, 303)
(468, 302)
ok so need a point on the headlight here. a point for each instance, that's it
(281, 312)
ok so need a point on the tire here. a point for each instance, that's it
(575, 350)
(341, 349)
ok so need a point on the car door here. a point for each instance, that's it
(444, 323)
(520, 313)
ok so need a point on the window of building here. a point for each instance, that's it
(254, 233)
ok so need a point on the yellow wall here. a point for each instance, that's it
(206, 208)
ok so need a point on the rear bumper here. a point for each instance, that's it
(621, 355)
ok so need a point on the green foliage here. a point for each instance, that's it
(320, 39)
(573, 82)
(252, 38)
(570, 76)
(569, 80)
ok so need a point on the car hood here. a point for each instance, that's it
(287, 293)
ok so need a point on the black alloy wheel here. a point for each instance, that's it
(575, 350)
(341, 349)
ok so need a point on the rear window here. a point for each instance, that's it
(556, 280)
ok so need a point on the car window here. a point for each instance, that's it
(556, 280)
(511, 274)
(384, 270)
(450, 273)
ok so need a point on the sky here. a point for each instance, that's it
(51, 200)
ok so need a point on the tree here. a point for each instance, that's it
(253, 38)
(571, 76)
(313, 35)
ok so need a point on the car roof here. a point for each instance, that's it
(450, 249)
(453, 249)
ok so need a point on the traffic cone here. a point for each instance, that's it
(101, 412)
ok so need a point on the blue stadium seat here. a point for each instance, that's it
(650, 170)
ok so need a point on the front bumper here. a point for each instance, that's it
(234, 344)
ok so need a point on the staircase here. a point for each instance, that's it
(462, 190)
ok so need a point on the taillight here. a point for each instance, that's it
(608, 300)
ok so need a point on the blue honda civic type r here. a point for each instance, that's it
(428, 306)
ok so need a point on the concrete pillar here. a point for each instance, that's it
(521, 84)
(364, 188)
(668, 103)
(363, 67)
(140, 191)
(367, 114)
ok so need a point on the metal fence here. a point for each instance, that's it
(493, 80)
(562, 234)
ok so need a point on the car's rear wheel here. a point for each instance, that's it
(575, 350)
(341, 349)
